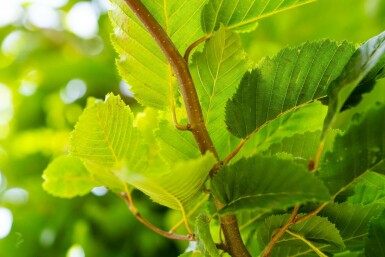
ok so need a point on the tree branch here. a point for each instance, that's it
(194, 112)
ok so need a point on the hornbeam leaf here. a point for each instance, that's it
(374, 245)
(217, 72)
(291, 79)
(106, 140)
(177, 187)
(266, 183)
(141, 63)
(243, 15)
(317, 231)
(360, 149)
(205, 240)
(67, 177)
(191, 254)
(352, 221)
(359, 75)
(370, 189)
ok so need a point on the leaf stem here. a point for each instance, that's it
(315, 249)
(128, 199)
(194, 112)
(195, 44)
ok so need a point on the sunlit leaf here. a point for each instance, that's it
(266, 183)
(355, 152)
(217, 72)
(369, 189)
(317, 231)
(67, 177)
(243, 15)
(141, 63)
(291, 79)
(359, 74)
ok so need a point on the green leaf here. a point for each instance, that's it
(266, 183)
(177, 187)
(217, 72)
(205, 240)
(374, 245)
(106, 140)
(302, 239)
(243, 15)
(361, 71)
(141, 63)
(370, 189)
(352, 221)
(291, 79)
(355, 152)
(176, 145)
(67, 177)
(192, 254)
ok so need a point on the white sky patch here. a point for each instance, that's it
(43, 16)
(15, 195)
(76, 251)
(10, 12)
(13, 43)
(125, 89)
(99, 191)
(27, 88)
(6, 220)
(74, 90)
(6, 107)
(82, 20)
(102, 5)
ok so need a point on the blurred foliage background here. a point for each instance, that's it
(56, 53)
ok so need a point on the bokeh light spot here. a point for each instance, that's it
(75, 89)
(76, 251)
(82, 20)
(99, 191)
(43, 16)
(6, 220)
(6, 107)
(15, 195)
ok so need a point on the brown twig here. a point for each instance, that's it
(127, 198)
(195, 44)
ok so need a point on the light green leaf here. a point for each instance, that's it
(107, 142)
(217, 72)
(177, 187)
(291, 79)
(266, 183)
(67, 177)
(205, 240)
(352, 221)
(243, 15)
(370, 189)
(374, 245)
(358, 75)
(356, 152)
(176, 145)
(312, 235)
(141, 63)
(192, 254)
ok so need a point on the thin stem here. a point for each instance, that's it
(281, 232)
(195, 44)
(194, 112)
(313, 247)
(128, 199)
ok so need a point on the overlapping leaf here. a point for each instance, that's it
(243, 15)
(352, 221)
(359, 150)
(296, 76)
(177, 187)
(266, 183)
(370, 189)
(374, 245)
(312, 235)
(67, 177)
(358, 75)
(217, 72)
(141, 62)
(205, 240)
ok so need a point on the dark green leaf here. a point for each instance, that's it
(294, 77)
(266, 183)
(374, 245)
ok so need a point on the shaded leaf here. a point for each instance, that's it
(374, 245)
(141, 63)
(217, 72)
(317, 231)
(67, 177)
(359, 74)
(205, 240)
(355, 152)
(243, 15)
(266, 183)
(370, 189)
(294, 77)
